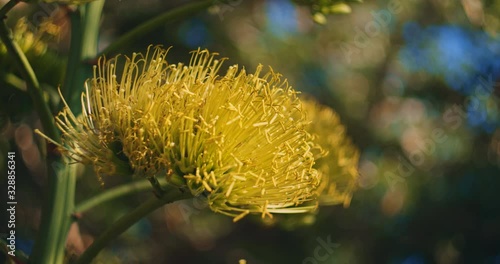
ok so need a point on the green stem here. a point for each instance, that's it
(91, 21)
(125, 222)
(157, 188)
(86, 32)
(44, 250)
(66, 217)
(56, 219)
(71, 82)
(116, 192)
(15, 81)
(84, 43)
(157, 21)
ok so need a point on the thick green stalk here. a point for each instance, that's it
(84, 43)
(86, 31)
(56, 218)
(116, 192)
(71, 80)
(155, 22)
(91, 21)
(44, 248)
(68, 207)
(172, 194)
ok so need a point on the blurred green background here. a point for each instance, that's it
(416, 82)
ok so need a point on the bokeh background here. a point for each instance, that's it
(416, 82)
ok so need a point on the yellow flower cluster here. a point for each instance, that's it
(31, 40)
(245, 140)
(238, 138)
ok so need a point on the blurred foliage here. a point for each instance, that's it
(49, 67)
(416, 84)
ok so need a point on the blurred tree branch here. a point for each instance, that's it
(155, 22)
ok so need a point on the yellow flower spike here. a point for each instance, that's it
(338, 165)
(237, 138)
